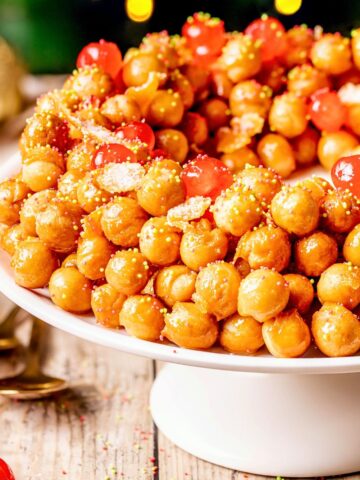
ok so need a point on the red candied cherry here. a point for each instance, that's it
(204, 34)
(103, 54)
(112, 153)
(61, 139)
(5, 471)
(326, 110)
(138, 131)
(206, 176)
(345, 174)
(158, 154)
(271, 32)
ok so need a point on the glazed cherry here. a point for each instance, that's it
(206, 176)
(271, 33)
(326, 111)
(61, 139)
(205, 35)
(158, 154)
(112, 153)
(5, 471)
(345, 174)
(138, 131)
(105, 55)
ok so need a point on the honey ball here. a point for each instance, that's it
(237, 160)
(80, 157)
(173, 142)
(275, 152)
(70, 290)
(11, 237)
(42, 167)
(127, 271)
(33, 263)
(340, 283)
(166, 109)
(295, 210)
(299, 40)
(331, 53)
(305, 80)
(122, 220)
(286, 335)
(220, 84)
(179, 83)
(121, 108)
(216, 113)
(143, 317)
(136, 69)
(273, 76)
(216, 289)
(351, 248)
(68, 184)
(91, 223)
(263, 294)
(315, 253)
(250, 97)
(175, 284)
(263, 183)
(317, 186)
(93, 254)
(70, 261)
(241, 335)
(189, 327)
(199, 78)
(12, 193)
(334, 145)
(305, 147)
(195, 128)
(237, 211)
(340, 211)
(301, 292)
(89, 82)
(44, 130)
(159, 242)
(288, 115)
(89, 194)
(31, 207)
(266, 246)
(336, 330)
(201, 245)
(355, 46)
(162, 188)
(106, 304)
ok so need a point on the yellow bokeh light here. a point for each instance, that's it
(287, 7)
(139, 10)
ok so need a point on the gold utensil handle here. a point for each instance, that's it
(7, 326)
(35, 347)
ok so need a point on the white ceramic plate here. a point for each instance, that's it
(84, 326)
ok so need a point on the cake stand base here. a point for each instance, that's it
(267, 424)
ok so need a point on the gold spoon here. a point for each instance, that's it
(7, 337)
(32, 383)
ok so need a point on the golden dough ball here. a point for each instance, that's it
(136, 69)
(299, 40)
(305, 147)
(91, 223)
(334, 145)
(121, 108)
(68, 185)
(216, 289)
(301, 292)
(332, 54)
(159, 242)
(89, 82)
(241, 57)
(353, 118)
(122, 220)
(288, 115)
(31, 207)
(336, 330)
(340, 211)
(89, 194)
(199, 78)
(70, 290)
(250, 97)
(263, 294)
(351, 248)
(173, 142)
(44, 129)
(305, 80)
(175, 284)
(128, 271)
(189, 327)
(236, 211)
(12, 193)
(238, 159)
(265, 246)
(11, 237)
(340, 283)
(166, 109)
(58, 226)
(33, 263)
(275, 152)
(220, 84)
(180, 84)
(195, 128)
(161, 188)
(241, 335)
(201, 245)
(93, 254)
(70, 261)
(295, 210)
(317, 186)
(216, 113)
(355, 46)
(315, 253)
(80, 157)
(106, 303)
(42, 167)
(273, 76)
(143, 317)
(263, 183)
(287, 335)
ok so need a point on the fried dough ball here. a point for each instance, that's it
(216, 113)
(332, 54)
(199, 78)
(236, 211)
(263, 183)
(340, 211)
(299, 40)
(143, 317)
(70, 290)
(220, 84)
(70, 261)
(12, 193)
(242, 335)
(136, 69)
(173, 142)
(336, 330)
(288, 115)
(31, 207)
(340, 283)
(216, 289)
(127, 271)
(93, 254)
(33, 263)
(272, 75)
(334, 145)
(121, 108)
(355, 46)
(301, 292)
(80, 157)
(351, 248)
(11, 237)
(317, 186)
(179, 83)
(305, 147)
(106, 303)
(122, 220)
(159, 242)
(201, 245)
(42, 167)
(315, 253)
(286, 335)
(166, 109)
(266, 246)
(295, 210)
(263, 294)
(68, 185)
(237, 160)
(89, 194)
(89, 82)
(241, 57)
(305, 80)
(162, 188)
(189, 327)
(275, 152)
(195, 128)
(250, 97)
(42, 130)
(175, 284)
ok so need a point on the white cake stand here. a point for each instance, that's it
(290, 417)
